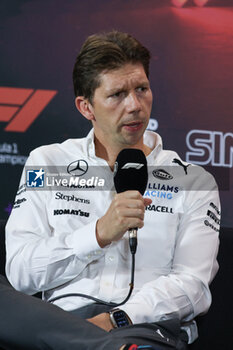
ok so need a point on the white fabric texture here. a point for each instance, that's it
(54, 250)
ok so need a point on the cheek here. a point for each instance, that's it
(148, 101)
(150, 96)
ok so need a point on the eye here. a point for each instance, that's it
(117, 94)
(142, 88)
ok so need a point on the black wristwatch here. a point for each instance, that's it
(119, 318)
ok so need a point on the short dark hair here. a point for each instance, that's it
(104, 52)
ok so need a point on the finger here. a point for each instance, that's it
(132, 203)
(130, 194)
(131, 213)
(134, 222)
(128, 202)
(147, 201)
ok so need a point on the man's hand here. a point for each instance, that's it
(102, 321)
(126, 211)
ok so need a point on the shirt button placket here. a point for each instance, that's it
(109, 274)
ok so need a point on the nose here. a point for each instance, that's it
(133, 103)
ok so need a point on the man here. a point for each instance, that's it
(52, 247)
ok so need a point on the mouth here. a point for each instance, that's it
(133, 126)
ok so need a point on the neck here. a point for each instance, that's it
(110, 153)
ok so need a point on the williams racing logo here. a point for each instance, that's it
(161, 189)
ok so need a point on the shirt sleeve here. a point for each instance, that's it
(37, 259)
(184, 292)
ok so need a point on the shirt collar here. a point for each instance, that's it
(150, 139)
(154, 142)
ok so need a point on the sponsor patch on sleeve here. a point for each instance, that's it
(213, 217)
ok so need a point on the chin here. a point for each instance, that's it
(133, 141)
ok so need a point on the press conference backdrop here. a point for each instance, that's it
(191, 77)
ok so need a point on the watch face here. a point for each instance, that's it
(120, 318)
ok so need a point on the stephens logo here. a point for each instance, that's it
(20, 107)
(162, 174)
(35, 178)
(77, 168)
(68, 198)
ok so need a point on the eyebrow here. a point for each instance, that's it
(115, 90)
(124, 88)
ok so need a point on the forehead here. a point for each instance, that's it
(125, 76)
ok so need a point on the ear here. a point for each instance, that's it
(84, 107)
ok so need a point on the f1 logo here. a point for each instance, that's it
(20, 107)
(132, 165)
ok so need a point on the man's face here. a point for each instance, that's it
(121, 107)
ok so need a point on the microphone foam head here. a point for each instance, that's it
(130, 171)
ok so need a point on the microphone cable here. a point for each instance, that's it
(133, 247)
(128, 175)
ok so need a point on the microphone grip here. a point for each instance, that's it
(133, 240)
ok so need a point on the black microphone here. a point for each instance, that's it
(130, 173)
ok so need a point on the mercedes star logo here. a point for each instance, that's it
(77, 168)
